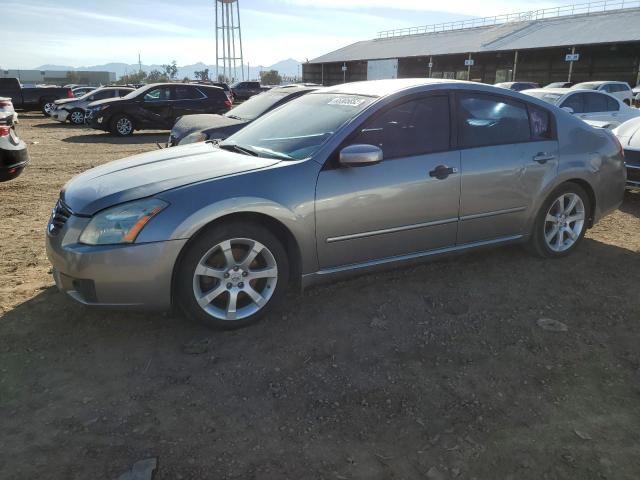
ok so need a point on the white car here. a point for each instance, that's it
(593, 107)
(620, 90)
(629, 135)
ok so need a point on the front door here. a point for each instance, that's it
(402, 205)
(156, 110)
(509, 148)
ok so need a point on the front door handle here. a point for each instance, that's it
(442, 171)
(543, 158)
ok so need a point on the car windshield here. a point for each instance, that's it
(299, 128)
(548, 97)
(586, 86)
(255, 106)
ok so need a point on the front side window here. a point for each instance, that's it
(595, 102)
(492, 120)
(158, 95)
(416, 127)
(575, 102)
(299, 128)
(103, 94)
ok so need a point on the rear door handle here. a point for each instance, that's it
(543, 158)
(442, 171)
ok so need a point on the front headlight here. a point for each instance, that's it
(122, 223)
(194, 138)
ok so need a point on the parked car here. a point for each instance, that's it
(620, 90)
(81, 91)
(560, 85)
(13, 151)
(517, 86)
(332, 183)
(629, 135)
(155, 106)
(246, 90)
(198, 128)
(222, 85)
(74, 109)
(587, 105)
(37, 98)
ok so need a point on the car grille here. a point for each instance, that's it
(632, 157)
(59, 217)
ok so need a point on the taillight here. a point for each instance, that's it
(4, 104)
(228, 104)
(5, 131)
(70, 93)
(617, 142)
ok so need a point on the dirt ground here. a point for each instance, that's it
(434, 372)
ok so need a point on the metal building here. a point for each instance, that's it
(592, 41)
(33, 77)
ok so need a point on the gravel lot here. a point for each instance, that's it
(435, 372)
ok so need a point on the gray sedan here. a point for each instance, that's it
(338, 182)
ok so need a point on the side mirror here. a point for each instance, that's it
(360, 155)
(568, 109)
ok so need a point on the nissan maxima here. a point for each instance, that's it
(340, 181)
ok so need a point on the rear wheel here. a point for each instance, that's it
(562, 222)
(47, 107)
(232, 275)
(76, 117)
(122, 126)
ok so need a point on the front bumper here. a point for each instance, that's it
(13, 159)
(97, 121)
(632, 161)
(137, 276)
(60, 115)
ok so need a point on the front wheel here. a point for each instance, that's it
(76, 117)
(562, 222)
(232, 275)
(122, 126)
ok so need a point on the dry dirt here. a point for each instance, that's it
(435, 372)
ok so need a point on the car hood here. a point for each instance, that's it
(150, 173)
(64, 101)
(203, 123)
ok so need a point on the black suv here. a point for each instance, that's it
(155, 107)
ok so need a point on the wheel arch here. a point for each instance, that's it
(586, 186)
(279, 229)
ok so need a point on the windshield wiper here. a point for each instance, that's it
(235, 117)
(237, 148)
(267, 152)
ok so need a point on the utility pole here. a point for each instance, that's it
(515, 66)
(573, 52)
(139, 63)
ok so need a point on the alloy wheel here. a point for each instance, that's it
(77, 117)
(49, 107)
(564, 222)
(235, 279)
(124, 126)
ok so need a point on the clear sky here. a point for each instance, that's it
(92, 32)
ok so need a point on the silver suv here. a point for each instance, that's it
(73, 109)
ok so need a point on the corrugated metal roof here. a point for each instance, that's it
(610, 27)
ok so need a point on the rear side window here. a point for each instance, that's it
(416, 127)
(492, 120)
(595, 102)
(612, 105)
(541, 126)
(188, 93)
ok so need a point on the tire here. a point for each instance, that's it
(122, 126)
(47, 107)
(571, 223)
(76, 117)
(222, 278)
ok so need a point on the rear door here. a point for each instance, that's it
(508, 150)
(156, 110)
(188, 100)
(398, 206)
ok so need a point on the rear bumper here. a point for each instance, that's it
(136, 276)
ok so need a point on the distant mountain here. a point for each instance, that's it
(288, 68)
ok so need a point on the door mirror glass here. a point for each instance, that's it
(568, 109)
(360, 155)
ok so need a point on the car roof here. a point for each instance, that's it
(381, 88)
(557, 90)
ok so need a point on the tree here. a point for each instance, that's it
(170, 70)
(202, 74)
(186, 80)
(270, 77)
(156, 76)
(133, 78)
(221, 78)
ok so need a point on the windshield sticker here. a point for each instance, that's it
(347, 101)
